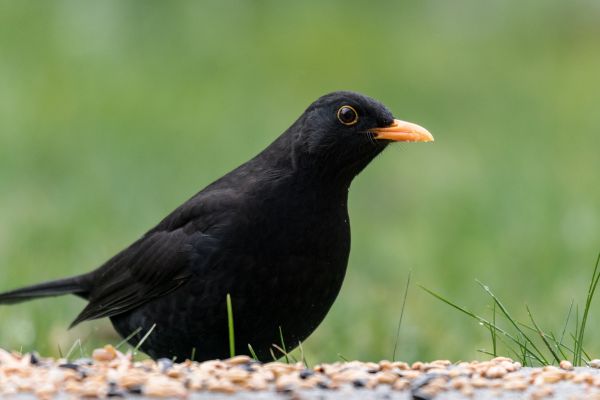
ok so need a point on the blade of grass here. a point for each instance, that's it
(193, 356)
(143, 339)
(132, 334)
(524, 355)
(562, 335)
(583, 351)
(517, 352)
(252, 352)
(287, 360)
(72, 349)
(401, 315)
(557, 345)
(588, 303)
(484, 322)
(542, 335)
(484, 351)
(302, 355)
(552, 338)
(342, 357)
(576, 335)
(230, 326)
(493, 332)
(285, 353)
(508, 316)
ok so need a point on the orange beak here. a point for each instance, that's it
(402, 131)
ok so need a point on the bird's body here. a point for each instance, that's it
(274, 234)
(268, 264)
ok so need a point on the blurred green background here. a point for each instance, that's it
(114, 112)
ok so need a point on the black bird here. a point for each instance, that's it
(273, 233)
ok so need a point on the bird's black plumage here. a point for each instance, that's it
(273, 233)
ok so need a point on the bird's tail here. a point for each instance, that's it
(75, 285)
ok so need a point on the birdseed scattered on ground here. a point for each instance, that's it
(110, 373)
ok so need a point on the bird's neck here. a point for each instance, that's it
(283, 158)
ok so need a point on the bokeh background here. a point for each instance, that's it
(114, 112)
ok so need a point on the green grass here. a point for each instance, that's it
(112, 113)
(538, 347)
(143, 339)
(230, 327)
(401, 316)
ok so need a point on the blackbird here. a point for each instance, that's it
(273, 234)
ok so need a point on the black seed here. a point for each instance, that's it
(84, 361)
(323, 385)
(248, 367)
(72, 366)
(286, 389)
(359, 383)
(114, 391)
(136, 389)
(34, 358)
(305, 373)
(420, 395)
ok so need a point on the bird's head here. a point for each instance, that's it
(341, 132)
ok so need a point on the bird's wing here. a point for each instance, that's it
(155, 265)
(163, 259)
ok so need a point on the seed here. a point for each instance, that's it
(417, 365)
(542, 392)
(441, 363)
(286, 383)
(305, 373)
(107, 353)
(237, 360)
(94, 388)
(216, 385)
(386, 378)
(164, 364)
(372, 367)
(256, 383)
(549, 377)
(401, 384)
(495, 372)
(133, 379)
(385, 365)
(595, 363)
(45, 391)
(566, 365)
(411, 374)
(502, 359)
(164, 387)
(479, 382)
(583, 378)
(519, 385)
(237, 375)
(467, 391)
(459, 383)
(400, 365)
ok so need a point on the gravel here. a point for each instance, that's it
(111, 373)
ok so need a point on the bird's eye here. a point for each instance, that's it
(347, 115)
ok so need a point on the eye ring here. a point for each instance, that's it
(347, 115)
